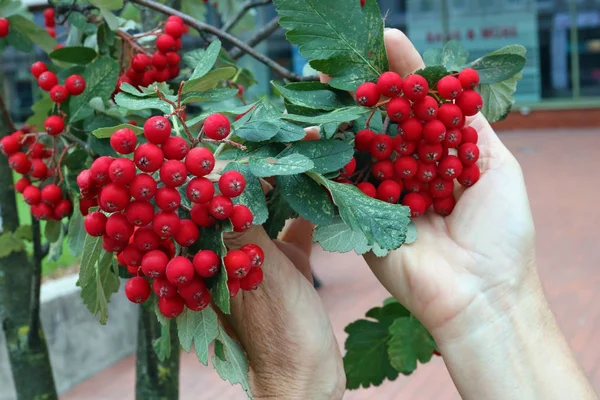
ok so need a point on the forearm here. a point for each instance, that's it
(519, 354)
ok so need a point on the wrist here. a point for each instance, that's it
(275, 386)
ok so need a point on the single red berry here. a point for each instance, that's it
(75, 85)
(367, 94)
(137, 290)
(410, 129)
(256, 254)
(468, 153)
(450, 115)
(405, 167)
(173, 173)
(148, 157)
(174, 29)
(440, 187)
(221, 207)
(175, 148)
(192, 290)
(200, 214)
(145, 239)
(383, 170)
(389, 84)
(233, 285)
(63, 209)
(173, 71)
(453, 138)
(19, 162)
(232, 184)
(131, 256)
(4, 27)
(200, 161)
(164, 288)
(99, 170)
(85, 203)
(142, 187)
(241, 218)
(121, 171)
(449, 87)
(41, 211)
(405, 147)
(362, 140)
(252, 280)
(54, 125)
(398, 109)
(51, 194)
(469, 135)
(171, 307)
(450, 167)
(381, 147)
(217, 126)
(123, 141)
(367, 188)
(167, 246)
(415, 87)
(168, 199)
(148, 77)
(32, 195)
(22, 184)
(434, 132)
(159, 60)
(118, 228)
(10, 145)
(426, 109)
(180, 271)
(154, 264)
(47, 80)
(166, 43)
(444, 206)
(113, 197)
(95, 223)
(429, 152)
(162, 75)
(200, 303)
(52, 33)
(175, 18)
(206, 263)
(469, 78)
(470, 102)
(237, 264)
(36, 150)
(349, 168)
(416, 202)
(157, 129)
(187, 234)
(49, 17)
(38, 169)
(37, 68)
(426, 172)
(469, 176)
(389, 191)
(200, 190)
(139, 213)
(85, 180)
(173, 58)
(140, 62)
(165, 223)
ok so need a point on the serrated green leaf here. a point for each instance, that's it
(337, 237)
(288, 165)
(56, 248)
(314, 95)
(77, 235)
(376, 124)
(198, 328)
(327, 155)
(162, 345)
(433, 74)
(382, 223)
(209, 80)
(97, 278)
(345, 114)
(216, 94)
(264, 122)
(279, 212)
(108, 4)
(10, 243)
(79, 21)
(100, 77)
(35, 33)
(454, 55)
(92, 246)
(233, 365)
(41, 109)
(134, 103)
(351, 53)
(103, 133)
(205, 60)
(74, 55)
(498, 68)
(52, 230)
(75, 159)
(24, 232)
(212, 239)
(307, 198)
(432, 57)
(390, 311)
(409, 342)
(253, 196)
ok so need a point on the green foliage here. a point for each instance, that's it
(307, 198)
(10, 242)
(74, 55)
(77, 235)
(24, 33)
(53, 230)
(409, 342)
(279, 212)
(433, 74)
(103, 133)
(264, 122)
(454, 56)
(162, 345)
(108, 4)
(314, 95)
(326, 155)
(200, 329)
(286, 165)
(338, 237)
(230, 362)
(253, 196)
(210, 80)
(202, 60)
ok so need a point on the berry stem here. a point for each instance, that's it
(59, 164)
(225, 141)
(177, 109)
(131, 41)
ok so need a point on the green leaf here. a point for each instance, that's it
(10, 243)
(195, 9)
(279, 212)
(390, 311)
(314, 95)
(340, 115)
(216, 94)
(498, 68)
(382, 223)
(288, 165)
(233, 364)
(24, 232)
(75, 159)
(350, 52)
(253, 196)
(52, 230)
(77, 235)
(454, 56)
(411, 233)
(56, 248)
(337, 237)
(103, 133)
(131, 12)
(433, 74)
(134, 103)
(74, 55)
(206, 60)
(108, 4)
(432, 57)
(212, 239)
(35, 33)
(409, 342)
(198, 328)
(264, 123)
(41, 109)
(307, 198)
(9, 8)
(327, 155)
(209, 80)
(100, 77)
(162, 345)
(79, 21)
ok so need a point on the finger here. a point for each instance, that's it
(312, 133)
(298, 257)
(299, 232)
(324, 78)
(403, 57)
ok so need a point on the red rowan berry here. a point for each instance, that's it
(469, 78)
(32, 195)
(51, 194)
(162, 75)
(412, 185)
(173, 173)
(426, 172)
(444, 206)
(187, 234)
(175, 148)
(19, 162)
(453, 138)
(434, 132)
(137, 289)
(171, 307)
(168, 199)
(233, 285)
(200, 161)
(450, 167)
(405, 167)
(173, 58)
(145, 239)
(166, 43)
(206, 263)
(148, 77)
(449, 87)
(4, 27)
(54, 125)
(367, 94)
(52, 33)
(36, 150)
(142, 187)
(199, 304)
(173, 71)
(75, 85)
(367, 188)
(118, 228)
(113, 197)
(85, 203)
(348, 169)
(468, 153)
(37, 68)
(154, 264)
(469, 176)
(241, 218)
(440, 188)
(159, 60)
(237, 264)
(398, 109)
(95, 223)
(164, 288)
(131, 255)
(201, 216)
(232, 184)
(252, 280)
(216, 126)
(10, 145)
(383, 170)
(175, 18)
(426, 109)
(22, 184)
(157, 129)
(41, 211)
(38, 169)
(99, 170)
(148, 157)
(168, 247)
(256, 254)
(47, 80)
(193, 290)
(381, 147)
(469, 102)
(429, 152)
(416, 202)
(389, 191)
(469, 135)
(123, 141)
(139, 213)
(165, 223)
(63, 209)
(179, 271)
(200, 190)
(389, 84)
(221, 207)
(174, 29)
(405, 147)
(410, 129)
(450, 115)
(121, 171)
(415, 87)
(363, 138)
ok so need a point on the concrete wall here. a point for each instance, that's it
(79, 346)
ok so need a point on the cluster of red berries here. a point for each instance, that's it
(29, 157)
(433, 146)
(49, 22)
(48, 81)
(127, 190)
(163, 64)
(4, 27)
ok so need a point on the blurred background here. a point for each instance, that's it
(553, 131)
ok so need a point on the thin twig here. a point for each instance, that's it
(225, 141)
(248, 5)
(177, 109)
(260, 35)
(6, 115)
(79, 142)
(131, 41)
(36, 281)
(201, 26)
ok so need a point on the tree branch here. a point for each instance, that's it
(6, 115)
(258, 37)
(248, 5)
(201, 26)
(36, 283)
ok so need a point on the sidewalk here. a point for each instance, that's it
(562, 170)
